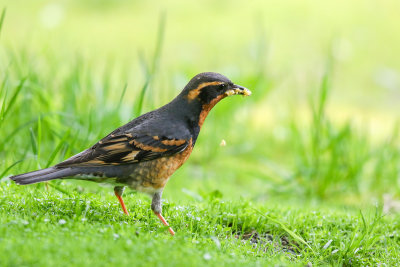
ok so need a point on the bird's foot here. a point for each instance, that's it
(165, 223)
(121, 201)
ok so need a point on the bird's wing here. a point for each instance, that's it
(127, 148)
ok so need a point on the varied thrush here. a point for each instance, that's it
(145, 152)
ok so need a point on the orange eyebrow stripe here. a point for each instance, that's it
(195, 92)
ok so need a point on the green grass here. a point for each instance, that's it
(300, 180)
(44, 227)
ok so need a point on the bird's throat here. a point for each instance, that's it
(207, 107)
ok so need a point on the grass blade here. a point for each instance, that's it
(58, 188)
(151, 72)
(58, 148)
(39, 140)
(287, 230)
(14, 132)
(4, 110)
(122, 96)
(3, 15)
(160, 39)
(3, 106)
(9, 168)
(14, 97)
(33, 141)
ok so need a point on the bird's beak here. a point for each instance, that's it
(238, 90)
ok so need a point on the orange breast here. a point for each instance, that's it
(153, 175)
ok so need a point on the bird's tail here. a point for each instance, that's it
(42, 175)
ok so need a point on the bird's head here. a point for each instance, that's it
(210, 87)
(204, 91)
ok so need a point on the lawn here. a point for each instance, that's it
(310, 171)
(47, 228)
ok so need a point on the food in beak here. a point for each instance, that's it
(238, 91)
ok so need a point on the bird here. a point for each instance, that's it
(144, 153)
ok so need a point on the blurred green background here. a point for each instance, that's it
(310, 174)
(320, 125)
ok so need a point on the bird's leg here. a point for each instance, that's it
(119, 190)
(156, 207)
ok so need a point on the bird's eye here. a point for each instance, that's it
(223, 86)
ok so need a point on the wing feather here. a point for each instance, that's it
(126, 148)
